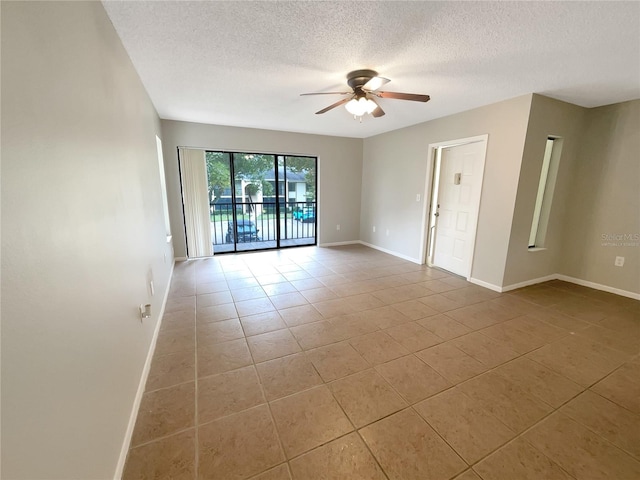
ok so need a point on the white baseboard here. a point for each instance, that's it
(488, 285)
(391, 252)
(141, 386)
(598, 286)
(338, 244)
(180, 259)
(527, 283)
(566, 278)
(506, 288)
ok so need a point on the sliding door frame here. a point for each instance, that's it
(281, 201)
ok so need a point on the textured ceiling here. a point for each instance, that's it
(244, 63)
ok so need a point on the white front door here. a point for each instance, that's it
(460, 185)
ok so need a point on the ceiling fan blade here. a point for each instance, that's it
(404, 96)
(330, 107)
(326, 93)
(375, 83)
(378, 112)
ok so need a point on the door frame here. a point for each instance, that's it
(428, 224)
(277, 157)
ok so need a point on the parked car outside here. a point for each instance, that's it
(306, 214)
(247, 232)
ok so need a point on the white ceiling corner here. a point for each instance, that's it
(245, 63)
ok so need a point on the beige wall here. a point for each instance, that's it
(395, 169)
(82, 232)
(548, 117)
(605, 199)
(339, 171)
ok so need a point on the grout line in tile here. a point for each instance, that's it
(522, 433)
(604, 378)
(162, 437)
(169, 386)
(356, 429)
(264, 396)
(196, 419)
(598, 434)
(375, 459)
(412, 407)
(513, 439)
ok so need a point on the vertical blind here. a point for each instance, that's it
(195, 199)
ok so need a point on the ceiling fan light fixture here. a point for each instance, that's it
(375, 83)
(360, 101)
(358, 107)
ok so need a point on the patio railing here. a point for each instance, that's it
(297, 222)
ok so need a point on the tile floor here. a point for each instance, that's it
(347, 363)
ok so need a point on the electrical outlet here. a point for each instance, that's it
(374, 229)
(145, 311)
(418, 197)
(338, 227)
(619, 262)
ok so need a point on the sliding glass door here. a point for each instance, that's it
(297, 200)
(261, 201)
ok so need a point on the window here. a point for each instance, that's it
(546, 187)
(163, 187)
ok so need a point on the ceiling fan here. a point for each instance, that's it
(364, 85)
